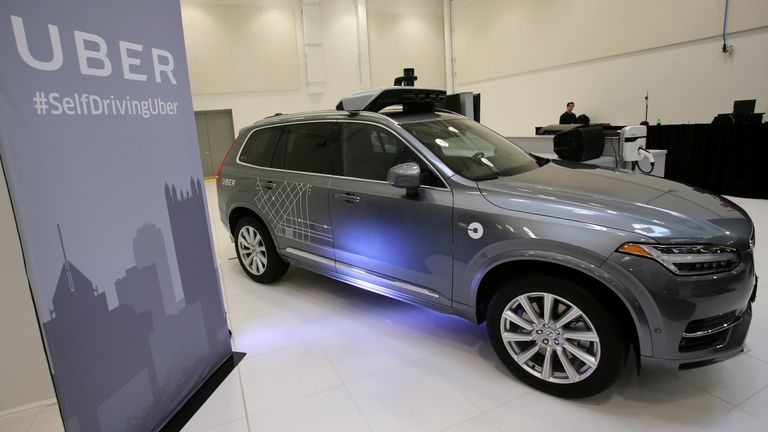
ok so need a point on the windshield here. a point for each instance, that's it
(470, 149)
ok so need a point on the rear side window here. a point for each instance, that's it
(260, 146)
(306, 147)
(368, 152)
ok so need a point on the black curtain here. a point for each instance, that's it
(725, 159)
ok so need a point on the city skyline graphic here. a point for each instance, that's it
(163, 347)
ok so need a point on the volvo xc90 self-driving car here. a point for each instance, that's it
(568, 265)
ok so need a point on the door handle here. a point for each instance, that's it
(269, 185)
(348, 197)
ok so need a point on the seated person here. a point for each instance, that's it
(568, 117)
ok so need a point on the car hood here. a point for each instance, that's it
(664, 210)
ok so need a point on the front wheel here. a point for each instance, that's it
(556, 336)
(256, 251)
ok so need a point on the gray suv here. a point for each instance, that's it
(568, 265)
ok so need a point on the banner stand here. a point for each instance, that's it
(100, 156)
(177, 422)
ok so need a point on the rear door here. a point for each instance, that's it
(293, 193)
(379, 231)
(239, 180)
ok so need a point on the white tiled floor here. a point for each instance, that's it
(324, 356)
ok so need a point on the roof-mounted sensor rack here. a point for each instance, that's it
(413, 99)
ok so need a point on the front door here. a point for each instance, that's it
(377, 229)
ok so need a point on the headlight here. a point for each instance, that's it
(687, 259)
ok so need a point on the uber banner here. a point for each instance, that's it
(97, 139)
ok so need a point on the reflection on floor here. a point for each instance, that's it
(323, 355)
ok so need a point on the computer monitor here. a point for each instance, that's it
(476, 103)
(466, 104)
(744, 107)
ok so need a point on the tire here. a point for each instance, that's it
(256, 251)
(579, 332)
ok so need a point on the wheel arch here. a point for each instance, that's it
(240, 211)
(606, 288)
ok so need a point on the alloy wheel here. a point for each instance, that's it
(252, 250)
(550, 338)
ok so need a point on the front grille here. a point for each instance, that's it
(708, 332)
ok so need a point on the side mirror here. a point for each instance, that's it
(406, 176)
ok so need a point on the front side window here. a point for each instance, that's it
(368, 152)
(259, 146)
(305, 147)
(470, 149)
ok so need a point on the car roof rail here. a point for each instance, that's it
(413, 99)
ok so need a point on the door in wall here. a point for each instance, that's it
(215, 132)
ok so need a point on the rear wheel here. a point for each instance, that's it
(256, 251)
(556, 336)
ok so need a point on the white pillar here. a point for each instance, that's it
(362, 44)
(448, 36)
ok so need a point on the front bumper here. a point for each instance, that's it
(730, 344)
(701, 319)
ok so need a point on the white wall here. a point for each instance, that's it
(502, 37)
(406, 33)
(399, 33)
(240, 46)
(678, 61)
(338, 30)
(24, 376)
(688, 81)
